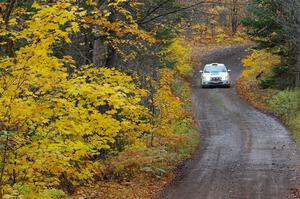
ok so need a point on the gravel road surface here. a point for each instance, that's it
(245, 154)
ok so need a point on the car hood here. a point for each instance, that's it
(220, 74)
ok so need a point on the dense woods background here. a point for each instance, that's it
(97, 92)
(271, 79)
(274, 25)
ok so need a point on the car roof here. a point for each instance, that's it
(215, 64)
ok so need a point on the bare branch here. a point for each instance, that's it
(174, 11)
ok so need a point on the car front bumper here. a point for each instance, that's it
(216, 83)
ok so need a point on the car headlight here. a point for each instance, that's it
(226, 77)
(205, 78)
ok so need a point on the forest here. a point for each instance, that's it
(271, 80)
(95, 95)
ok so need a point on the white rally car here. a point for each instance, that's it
(215, 74)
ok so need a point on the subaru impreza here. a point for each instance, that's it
(215, 74)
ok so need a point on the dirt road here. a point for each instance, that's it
(245, 154)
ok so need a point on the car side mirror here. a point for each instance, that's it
(229, 70)
(201, 71)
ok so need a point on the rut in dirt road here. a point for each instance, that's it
(245, 154)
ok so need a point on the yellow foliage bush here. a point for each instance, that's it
(173, 134)
(63, 126)
(169, 106)
(53, 124)
(180, 54)
(173, 123)
(259, 61)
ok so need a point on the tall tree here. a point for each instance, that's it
(274, 25)
(289, 19)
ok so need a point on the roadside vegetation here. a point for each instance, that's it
(271, 79)
(95, 96)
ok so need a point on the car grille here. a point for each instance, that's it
(215, 79)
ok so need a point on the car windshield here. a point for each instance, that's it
(215, 68)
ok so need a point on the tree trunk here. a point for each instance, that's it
(99, 53)
(111, 51)
(234, 17)
(297, 78)
(111, 57)
(4, 156)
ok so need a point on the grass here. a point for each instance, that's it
(283, 104)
